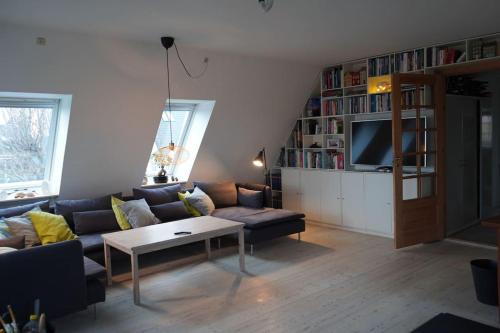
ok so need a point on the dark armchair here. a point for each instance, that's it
(54, 273)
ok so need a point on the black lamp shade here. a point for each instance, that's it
(260, 159)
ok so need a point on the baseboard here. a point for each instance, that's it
(339, 227)
(449, 233)
(472, 244)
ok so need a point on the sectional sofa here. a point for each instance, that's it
(261, 224)
(69, 276)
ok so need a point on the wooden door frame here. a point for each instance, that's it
(476, 67)
(440, 104)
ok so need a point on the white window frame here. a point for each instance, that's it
(176, 106)
(36, 103)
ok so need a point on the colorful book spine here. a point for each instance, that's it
(333, 107)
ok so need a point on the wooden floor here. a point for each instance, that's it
(332, 281)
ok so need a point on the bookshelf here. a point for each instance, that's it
(273, 180)
(360, 90)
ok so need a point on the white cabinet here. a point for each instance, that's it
(378, 203)
(331, 198)
(352, 200)
(311, 194)
(290, 183)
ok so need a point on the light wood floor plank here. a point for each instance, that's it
(332, 281)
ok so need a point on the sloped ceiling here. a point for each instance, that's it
(119, 89)
(312, 31)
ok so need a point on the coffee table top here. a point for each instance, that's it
(161, 236)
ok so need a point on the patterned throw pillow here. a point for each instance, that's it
(4, 230)
(22, 226)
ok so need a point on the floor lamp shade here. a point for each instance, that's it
(260, 159)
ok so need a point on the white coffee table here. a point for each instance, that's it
(162, 236)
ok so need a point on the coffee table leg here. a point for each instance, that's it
(107, 263)
(207, 247)
(241, 243)
(135, 278)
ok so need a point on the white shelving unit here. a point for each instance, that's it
(340, 89)
(342, 196)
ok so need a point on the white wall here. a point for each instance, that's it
(119, 87)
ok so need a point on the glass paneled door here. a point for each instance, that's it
(418, 150)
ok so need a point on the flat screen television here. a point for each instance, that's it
(371, 142)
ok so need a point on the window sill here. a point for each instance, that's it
(153, 185)
(23, 200)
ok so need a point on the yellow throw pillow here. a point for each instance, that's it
(51, 228)
(120, 216)
(191, 210)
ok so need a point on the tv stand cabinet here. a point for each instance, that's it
(356, 201)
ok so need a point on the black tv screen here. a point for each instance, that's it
(371, 142)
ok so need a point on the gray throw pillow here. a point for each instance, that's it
(201, 201)
(138, 213)
(223, 194)
(250, 198)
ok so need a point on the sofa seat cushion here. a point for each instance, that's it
(255, 218)
(93, 270)
(92, 242)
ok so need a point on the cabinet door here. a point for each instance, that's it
(290, 183)
(378, 203)
(353, 200)
(331, 198)
(311, 194)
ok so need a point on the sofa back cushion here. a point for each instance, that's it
(223, 194)
(66, 208)
(171, 211)
(266, 190)
(158, 196)
(95, 221)
(20, 210)
(250, 198)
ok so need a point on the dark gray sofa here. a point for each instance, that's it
(57, 274)
(261, 224)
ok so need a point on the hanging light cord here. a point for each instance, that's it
(169, 106)
(205, 61)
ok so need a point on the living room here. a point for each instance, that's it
(250, 165)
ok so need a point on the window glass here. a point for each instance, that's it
(180, 115)
(26, 141)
